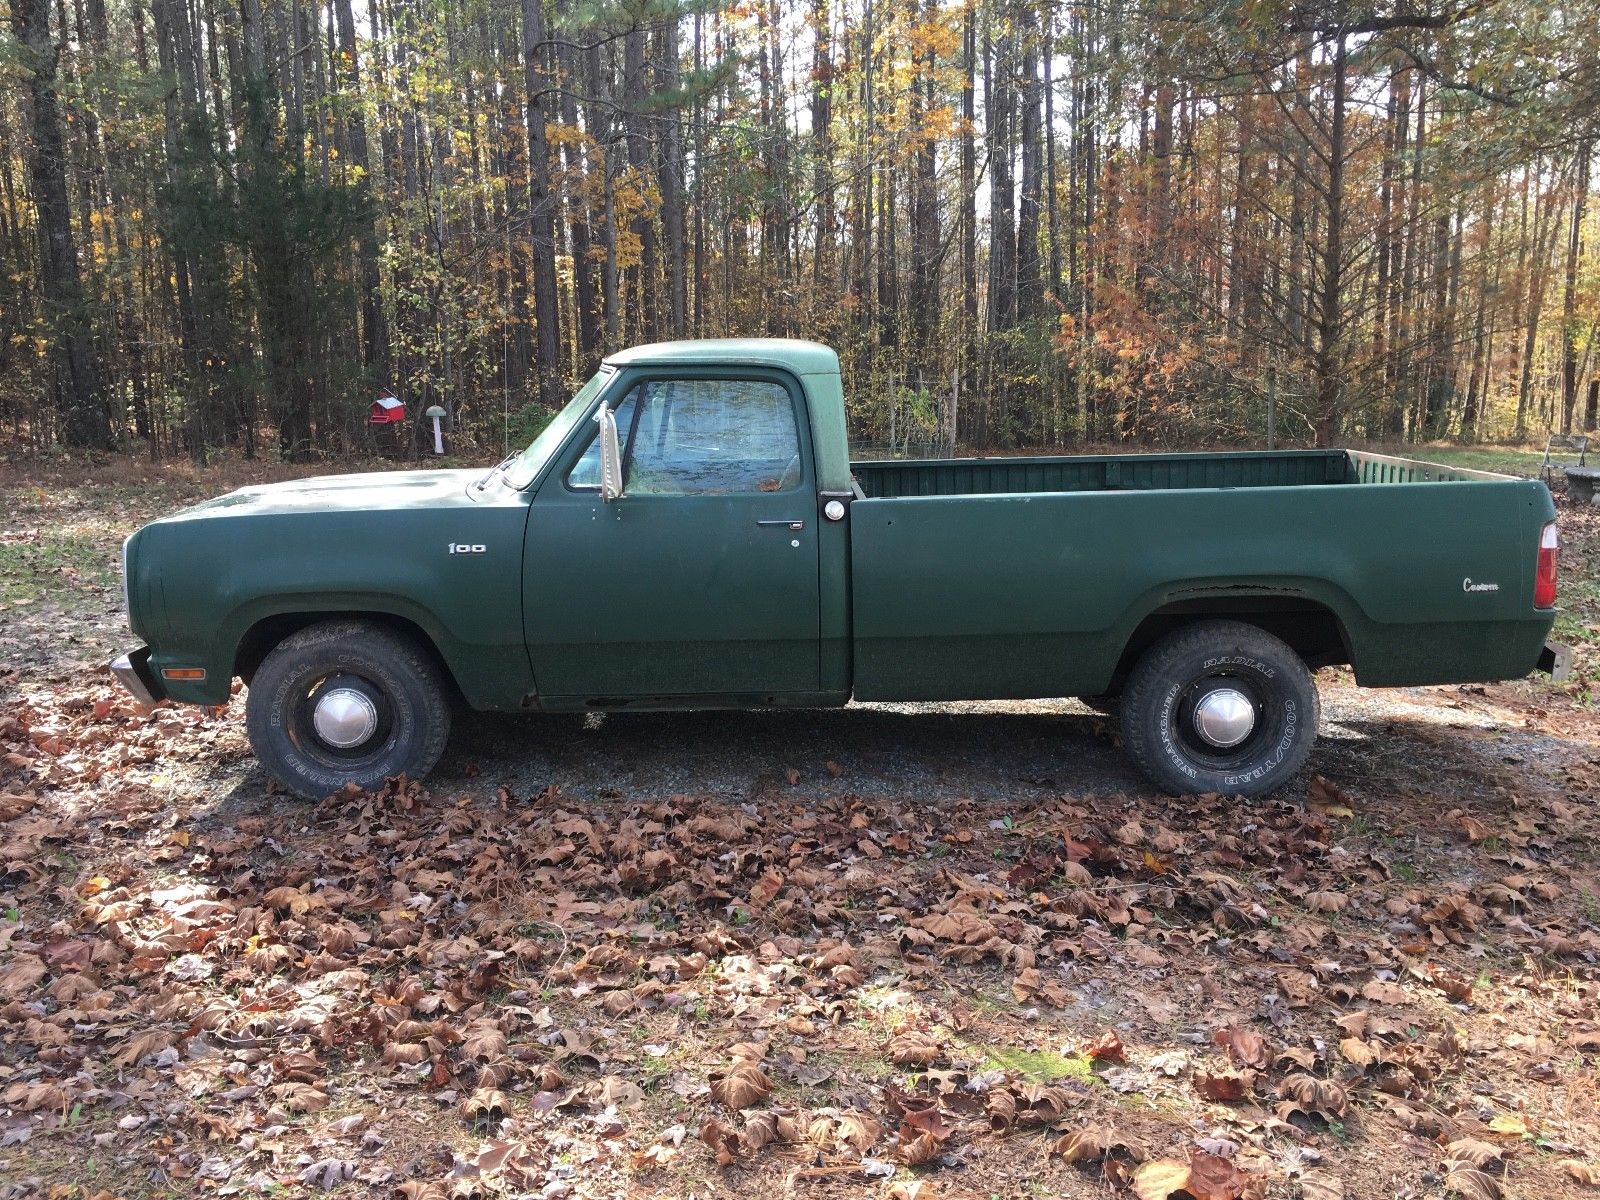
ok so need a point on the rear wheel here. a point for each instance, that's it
(1220, 706)
(346, 702)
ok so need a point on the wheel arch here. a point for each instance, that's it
(266, 631)
(1312, 626)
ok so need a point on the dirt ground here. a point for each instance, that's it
(890, 951)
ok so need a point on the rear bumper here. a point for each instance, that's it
(133, 673)
(1556, 659)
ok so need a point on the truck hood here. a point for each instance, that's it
(367, 492)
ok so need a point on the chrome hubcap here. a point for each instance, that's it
(344, 718)
(1224, 717)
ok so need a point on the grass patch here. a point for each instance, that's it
(1578, 618)
(36, 566)
(1503, 459)
(1040, 1066)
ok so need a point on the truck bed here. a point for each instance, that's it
(1143, 472)
(1028, 577)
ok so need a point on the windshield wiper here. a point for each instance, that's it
(496, 469)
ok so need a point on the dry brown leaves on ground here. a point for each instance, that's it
(495, 994)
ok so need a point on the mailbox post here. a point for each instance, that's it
(438, 414)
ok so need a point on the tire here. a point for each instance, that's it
(1198, 687)
(387, 688)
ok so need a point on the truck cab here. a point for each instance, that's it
(716, 572)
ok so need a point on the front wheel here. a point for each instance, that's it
(1220, 706)
(346, 702)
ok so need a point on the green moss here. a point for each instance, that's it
(1040, 1066)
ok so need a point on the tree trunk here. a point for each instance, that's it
(1328, 412)
(1569, 303)
(580, 167)
(822, 272)
(926, 247)
(280, 288)
(79, 401)
(541, 208)
(641, 278)
(671, 176)
(969, 193)
(1030, 279)
(374, 324)
(1546, 210)
(1002, 197)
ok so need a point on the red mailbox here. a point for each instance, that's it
(386, 410)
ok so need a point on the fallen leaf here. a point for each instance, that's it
(1327, 798)
(484, 1042)
(1212, 1177)
(1107, 1048)
(1509, 1124)
(766, 889)
(1382, 992)
(723, 1141)
(741, 1086)
(1586, 1173)
(1088, 1144)
(328, 1173)
(1245, 1047)
(1157, 1180)
(913, 1049)
(1319, 1185)
(1473, 1185)
(486, 1102)
(1357, 1051)
(920, 1135)
(22, 973)
(1309, 1094)
(1224, 1085)
(1327, 902)
(1470, 1152)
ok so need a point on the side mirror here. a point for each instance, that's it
(610, 454)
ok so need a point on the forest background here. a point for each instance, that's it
(229, 226)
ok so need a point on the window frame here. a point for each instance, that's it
(593, 439)
(626, 382)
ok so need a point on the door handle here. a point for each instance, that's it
(792, 526)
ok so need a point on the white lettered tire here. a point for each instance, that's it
(1220, 706)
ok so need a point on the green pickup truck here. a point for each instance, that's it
(690, 532)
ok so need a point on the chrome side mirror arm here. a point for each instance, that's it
(610, 454)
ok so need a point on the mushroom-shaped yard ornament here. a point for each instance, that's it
(437, 413)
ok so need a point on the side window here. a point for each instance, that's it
(585, 473)
(714, 437)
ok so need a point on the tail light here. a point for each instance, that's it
(1544, 578)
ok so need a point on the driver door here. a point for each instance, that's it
(701, 579)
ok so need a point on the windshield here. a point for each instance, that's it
(528, 464)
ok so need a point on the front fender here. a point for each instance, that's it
(216, 580)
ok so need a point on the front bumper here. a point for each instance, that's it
(1557, 659)
(133, 673)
